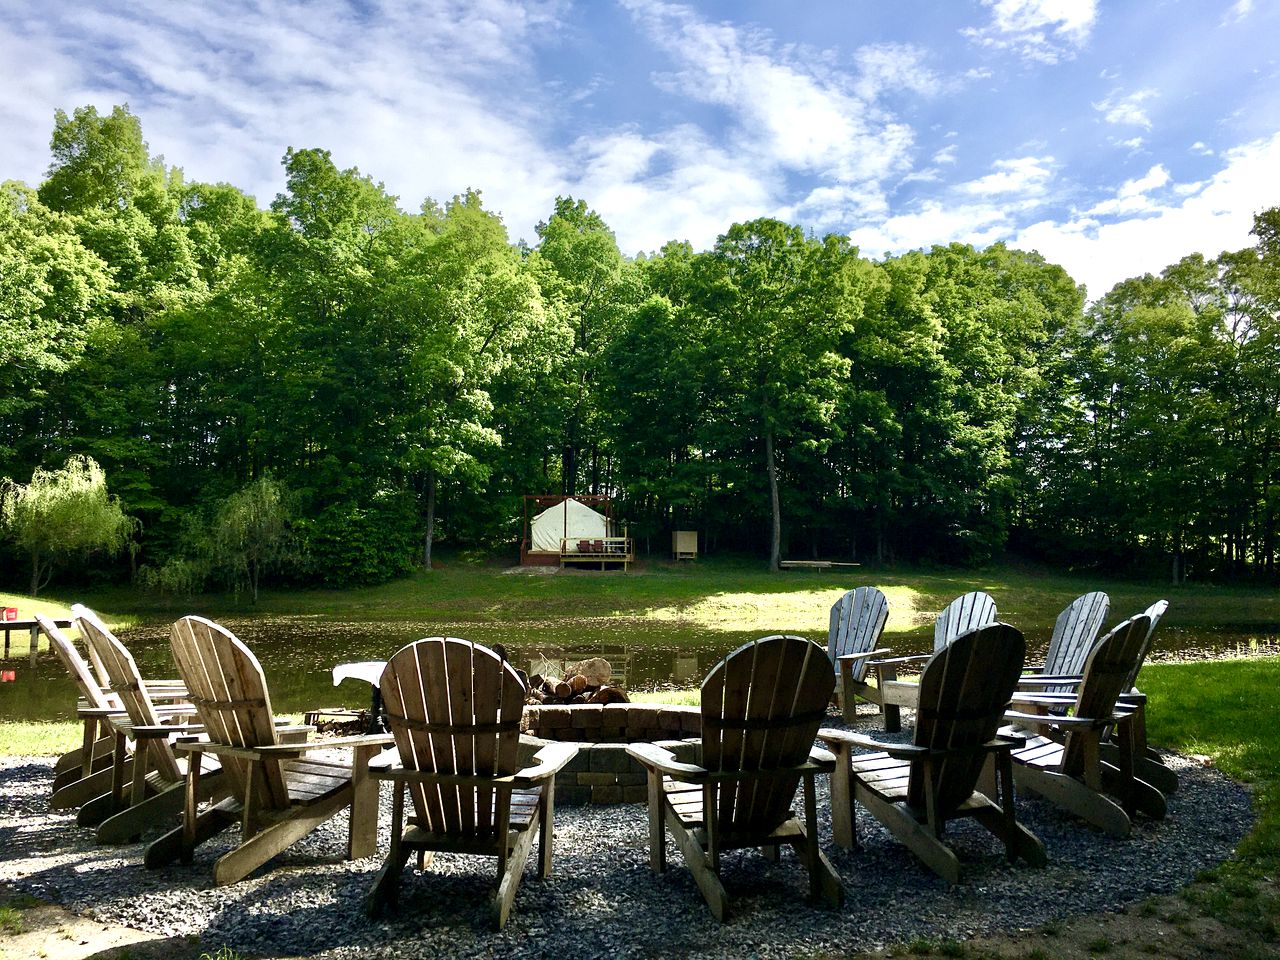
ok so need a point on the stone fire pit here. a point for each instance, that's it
(603, 772)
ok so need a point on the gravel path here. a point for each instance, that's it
(602, 900)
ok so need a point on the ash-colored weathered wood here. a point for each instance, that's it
(963, 614)
(1062, 760)
(276, 794)
(1074, 634)
(761, 707)
(454, 710)
(914, 791)
(857, 622)
(156, 779)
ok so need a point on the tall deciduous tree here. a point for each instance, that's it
(61, 514)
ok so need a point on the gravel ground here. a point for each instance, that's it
(602, 900)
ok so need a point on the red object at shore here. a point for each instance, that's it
(8, 676)
(11, 613)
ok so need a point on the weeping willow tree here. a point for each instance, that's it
(251, 532)
(63, 514)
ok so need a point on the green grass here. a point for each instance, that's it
(34, 739)
(1226, 711)
(713, 595)
(10, 920)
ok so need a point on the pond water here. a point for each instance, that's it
(297, 654)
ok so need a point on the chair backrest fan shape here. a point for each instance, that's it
(125, 681)
(86, 683)
(229, 691)
(961, 615)
(1113, 660)
(761, 709)
(857, 620)
(1074, 634)
(964, 691)
(454, 707)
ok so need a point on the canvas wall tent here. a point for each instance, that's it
(570, 521)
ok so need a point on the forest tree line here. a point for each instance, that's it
(402, 379)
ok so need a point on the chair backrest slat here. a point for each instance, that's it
(85, 681)
(1154, 612)
(761, 709)
(857, 621)
(454, 707)
(1113, 660)
(1074, 634)
(964, 613)
(964, 691)
(124, 680)
(229, 691)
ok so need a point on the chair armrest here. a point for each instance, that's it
(287, 750)
(655, 759)
(849, 657)
(849, 738)
(551, 760)
(1048, 680)
(822, 758)
(1056, 721)
(1045, 699)
(90, 713)
(162, 731)
(893, 661)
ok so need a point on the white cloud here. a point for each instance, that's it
(1025, 176)
(1044, 31)
(1133, 195)
(946, 155)
(793, 112)
(934, 223)
(1133, 143)
(1239, 10)
(1202, 148)
(1126, 109)
(223, 89)
(676, 185)
(1208, 219)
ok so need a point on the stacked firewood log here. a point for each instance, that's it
(585, 682)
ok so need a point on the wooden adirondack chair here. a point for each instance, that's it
(1074, 634)
(156, 774)
(1061, 758)
(964, 613)
(914, 790)
(857, 621)
(74, 779)
(454, 709)
(1148, 764)
(85, 773)
(761, 707)
(275, 793)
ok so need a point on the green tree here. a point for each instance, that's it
(780, 304)
(250, 533)
(62, 514)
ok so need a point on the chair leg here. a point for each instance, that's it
(509, 882)
(935, 854)
(546, 831)
(279, 836)
(699, 865)
(843, 815)
(1073, 796)
(386, 885)
(657, 831)
(824, 882)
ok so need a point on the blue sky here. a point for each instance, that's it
(1113, 137)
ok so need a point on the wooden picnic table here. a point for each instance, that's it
(34, 627)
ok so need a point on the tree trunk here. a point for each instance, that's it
(775, 545)
(431, 522)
